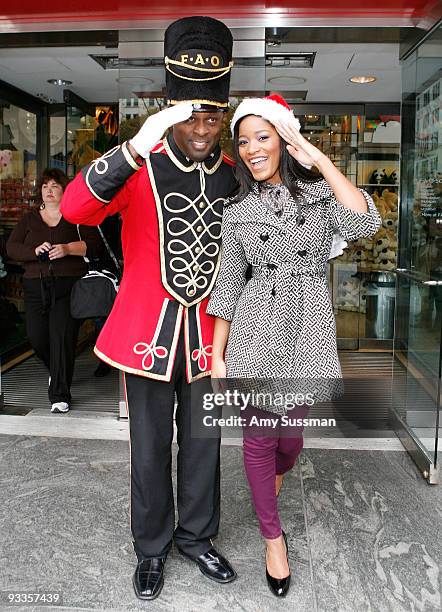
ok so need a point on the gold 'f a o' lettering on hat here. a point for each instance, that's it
(191, 59)
(198, 61)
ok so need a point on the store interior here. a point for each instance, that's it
(65, 98)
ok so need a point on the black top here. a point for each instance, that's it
(31, 231)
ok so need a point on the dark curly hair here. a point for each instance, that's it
(50, 174)
(290, 170)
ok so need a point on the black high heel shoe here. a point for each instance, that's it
(279, 586)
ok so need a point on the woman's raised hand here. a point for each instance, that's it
(299, 147)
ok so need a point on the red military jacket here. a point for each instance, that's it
(171, 210)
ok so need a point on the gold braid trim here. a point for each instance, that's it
(180, 76)
(212, 102)
(168, 61)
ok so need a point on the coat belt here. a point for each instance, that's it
(284, 281)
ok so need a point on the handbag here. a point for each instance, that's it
(93, 295)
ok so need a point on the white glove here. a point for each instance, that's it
(338, 245)
(154, 127)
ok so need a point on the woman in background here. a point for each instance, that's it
(52, 254)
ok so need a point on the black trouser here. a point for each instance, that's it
(52, 332)
(151, 407)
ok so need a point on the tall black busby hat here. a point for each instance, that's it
(198, 60)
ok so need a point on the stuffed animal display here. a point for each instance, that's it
(383, 176)
(352, 294)
(379, 251)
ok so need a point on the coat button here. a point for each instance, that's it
(192, 291)
(264, 236)
(197, 249)
(199, 229)
(195, 268)
(202, 204)
(302, 253)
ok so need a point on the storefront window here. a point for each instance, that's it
(364, 143)
(90, 133)
(18, 172)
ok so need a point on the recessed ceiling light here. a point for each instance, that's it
(287, 80)
(362, 79)
(125, 79)
(59, 82)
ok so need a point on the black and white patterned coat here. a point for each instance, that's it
(282, 318)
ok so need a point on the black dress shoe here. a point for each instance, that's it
(279, 586)
(214, 566)
(148, 579)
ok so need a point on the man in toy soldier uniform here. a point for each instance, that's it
(170, 194)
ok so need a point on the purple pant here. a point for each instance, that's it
(265, 456)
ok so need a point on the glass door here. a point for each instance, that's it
(418, 319)
(417, 372)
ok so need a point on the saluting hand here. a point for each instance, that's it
(298, 147)
(154, 127)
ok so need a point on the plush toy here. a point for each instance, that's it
(390, 198)
(386, 260)
(384, 178)
(367, 243)
(366, 252)
(382, 206)
(388, 223)
(381, 241)
(393, 178)
(374, 178)
(5, 163)
(360, 255)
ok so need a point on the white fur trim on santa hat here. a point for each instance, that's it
(265, 108)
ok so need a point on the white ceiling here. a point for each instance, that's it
(327, 81)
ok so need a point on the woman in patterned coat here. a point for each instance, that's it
(280, 324)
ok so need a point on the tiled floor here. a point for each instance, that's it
(27, 386)
(363, 530)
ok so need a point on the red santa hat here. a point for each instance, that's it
(273, 108)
